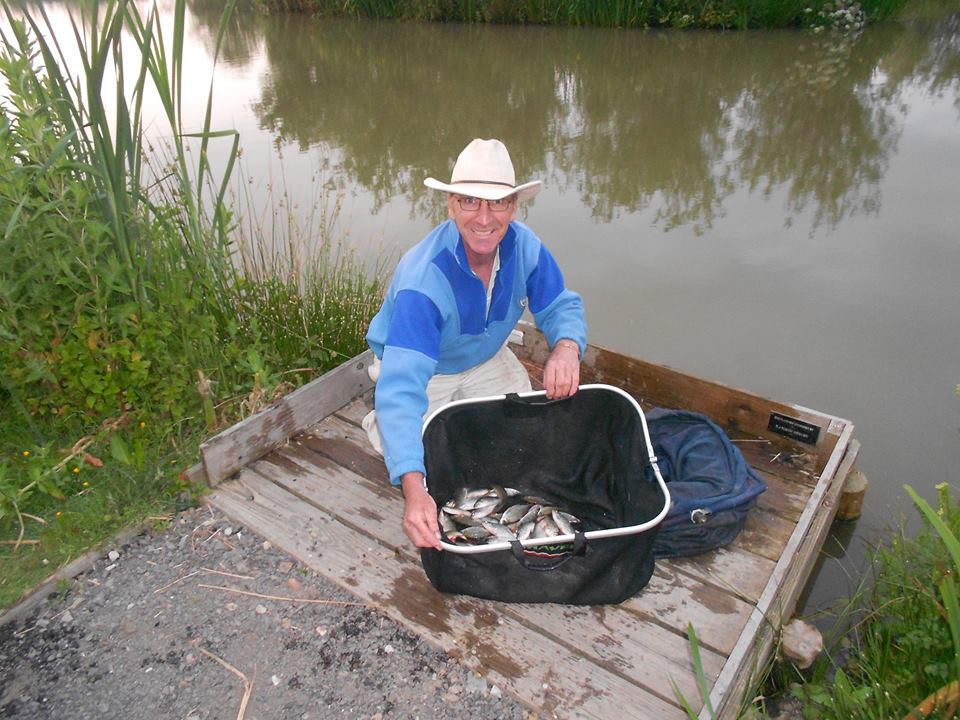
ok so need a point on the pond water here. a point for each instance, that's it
(777, 211)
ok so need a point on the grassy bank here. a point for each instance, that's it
(137, 317)
(714, 14)
(897, 650)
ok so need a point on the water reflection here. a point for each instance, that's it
(822, 126)
(625, 120)
(396, 102)
(934, 64)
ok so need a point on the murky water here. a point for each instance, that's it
(776, 211)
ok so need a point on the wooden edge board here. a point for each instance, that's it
(660, 385)
(653, 654)
(557, 687)
(786, 582)
(194, 474)
(229, 451)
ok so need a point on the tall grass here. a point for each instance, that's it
(603, 13)
(136, 318)
(900, 657)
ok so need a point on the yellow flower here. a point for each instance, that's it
(59, 513)
(76, 470)
(142, 424)
(86, 484)
(26, 453)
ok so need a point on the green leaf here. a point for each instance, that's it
(50, 488)
(119, 451)
(946, 534)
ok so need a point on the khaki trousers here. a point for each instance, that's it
(499, 375)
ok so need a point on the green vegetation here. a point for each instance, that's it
(135, 319)
(844, 15)
(900, 656)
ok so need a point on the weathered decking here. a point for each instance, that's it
(324, 498)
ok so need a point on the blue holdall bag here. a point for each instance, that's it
(711, 485)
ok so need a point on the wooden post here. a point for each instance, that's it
(851, 498)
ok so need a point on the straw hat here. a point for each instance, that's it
(484, 170)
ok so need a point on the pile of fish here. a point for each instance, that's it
(496, 514)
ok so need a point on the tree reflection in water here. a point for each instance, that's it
(626, 120)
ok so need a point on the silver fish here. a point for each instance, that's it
(467, 499)
(487, 509)
(475, 532)
(528, 523)
(498, 531)
(545, 527)
(455, 512)
(563, 525)
(513, 513)
(532, 513)
(525, 530)
(447, 524)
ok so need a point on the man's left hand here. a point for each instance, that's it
(561, 374)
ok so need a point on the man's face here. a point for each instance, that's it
(481, 228)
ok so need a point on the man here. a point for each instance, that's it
(455, 297)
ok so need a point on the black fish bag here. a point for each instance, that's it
(712, 488)
(588, 455)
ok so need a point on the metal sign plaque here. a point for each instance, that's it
(793, 428)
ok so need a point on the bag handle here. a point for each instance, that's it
(549, 564)
(534, 400)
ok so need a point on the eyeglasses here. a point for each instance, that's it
(472, 204)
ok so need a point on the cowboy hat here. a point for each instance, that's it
(484, 170)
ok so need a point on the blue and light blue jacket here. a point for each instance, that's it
(434, 320)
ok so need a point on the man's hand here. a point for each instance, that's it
(419, 512)
(561, 374)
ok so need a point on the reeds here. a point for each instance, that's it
(131, 317)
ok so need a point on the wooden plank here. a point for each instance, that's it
(796, 464)
(660, 386)
(676, 599)
(229, 451)
(783, 497)
(347, 454)
(785, 584)
(353, 412)
(765, 533)
(553, 679)
(730, 569)
(619, 640)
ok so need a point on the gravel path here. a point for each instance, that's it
(139, 635)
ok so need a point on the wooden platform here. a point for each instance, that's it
(302, 475)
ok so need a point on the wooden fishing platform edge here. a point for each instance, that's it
(835, 449)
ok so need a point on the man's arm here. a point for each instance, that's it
(558, 312)
(561, 374)
(419, 512)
